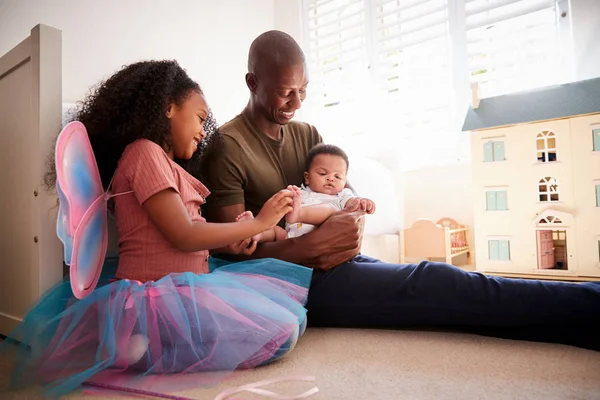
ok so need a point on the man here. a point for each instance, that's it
(264, 151)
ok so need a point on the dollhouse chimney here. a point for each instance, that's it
(475, 95)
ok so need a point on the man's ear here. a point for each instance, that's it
(306, 182)
(251, 82)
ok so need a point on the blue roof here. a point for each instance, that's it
(552, 102)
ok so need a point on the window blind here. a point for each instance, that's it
(412, 61)
(337, 48)
(512, 44)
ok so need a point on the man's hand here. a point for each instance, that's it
(337, 240)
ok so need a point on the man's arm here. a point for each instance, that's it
(336, 241)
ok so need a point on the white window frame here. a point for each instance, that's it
(546, 149)
(548, 193)
(459, 148)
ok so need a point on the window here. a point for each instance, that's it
(548, 189)
(513, 45)
(499, 250)
(398, 71)
(551, 219)
(596, 137)
(597, 195)
(493, 151)
(546, 146)
(495, 200)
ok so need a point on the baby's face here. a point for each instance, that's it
(327, 174)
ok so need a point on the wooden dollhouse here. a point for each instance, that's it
(536, 179)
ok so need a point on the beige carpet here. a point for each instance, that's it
(415, 365)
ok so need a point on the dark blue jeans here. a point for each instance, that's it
(366, 292)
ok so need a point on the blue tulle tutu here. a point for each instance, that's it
(240, 315)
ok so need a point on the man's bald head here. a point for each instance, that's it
(274, 49)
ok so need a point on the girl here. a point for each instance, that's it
(165, 312)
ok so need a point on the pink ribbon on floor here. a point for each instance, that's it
(227, 393)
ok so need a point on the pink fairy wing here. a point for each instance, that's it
(62, 225)
(82, 224)
(89, 249)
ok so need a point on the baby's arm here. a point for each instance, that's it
(314, 214)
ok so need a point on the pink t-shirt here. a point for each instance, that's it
(144, 253)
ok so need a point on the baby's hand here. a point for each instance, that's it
(353, 204)
(367, 205)
(358, 203)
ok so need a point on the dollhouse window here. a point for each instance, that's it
(495, 200)
(548, 189)
(596, 134)
(597, 195)
(499, 250)
(493, 151)
(551, 219)
(546, 146)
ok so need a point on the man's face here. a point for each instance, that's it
(280, 91)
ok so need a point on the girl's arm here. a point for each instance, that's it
(168, 213)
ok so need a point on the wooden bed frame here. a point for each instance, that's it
(30, 119)
(443, 240)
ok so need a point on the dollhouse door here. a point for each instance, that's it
(545, 245)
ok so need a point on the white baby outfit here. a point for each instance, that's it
(310, 198)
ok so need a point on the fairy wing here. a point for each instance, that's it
(82, 217)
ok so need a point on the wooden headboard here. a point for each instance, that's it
(30, 119)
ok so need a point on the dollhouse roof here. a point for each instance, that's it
(547, 103)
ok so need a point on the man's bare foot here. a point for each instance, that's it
(246, 215)
(294, 215)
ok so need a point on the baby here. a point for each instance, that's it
(324, 191)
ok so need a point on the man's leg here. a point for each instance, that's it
(369, 293)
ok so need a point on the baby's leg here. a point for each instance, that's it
(294, 215)
(280, 233)
(248, 215)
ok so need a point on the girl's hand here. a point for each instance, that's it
(275, 208)
(246, 247)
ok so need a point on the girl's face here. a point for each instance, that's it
(187, 124)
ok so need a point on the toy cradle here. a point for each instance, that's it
(441, 241)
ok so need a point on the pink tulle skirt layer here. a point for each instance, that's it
(241, 315)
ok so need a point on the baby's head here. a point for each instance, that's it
(326, 169)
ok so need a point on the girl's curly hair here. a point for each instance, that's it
(132, 105)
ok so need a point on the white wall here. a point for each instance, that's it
(210, 39)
